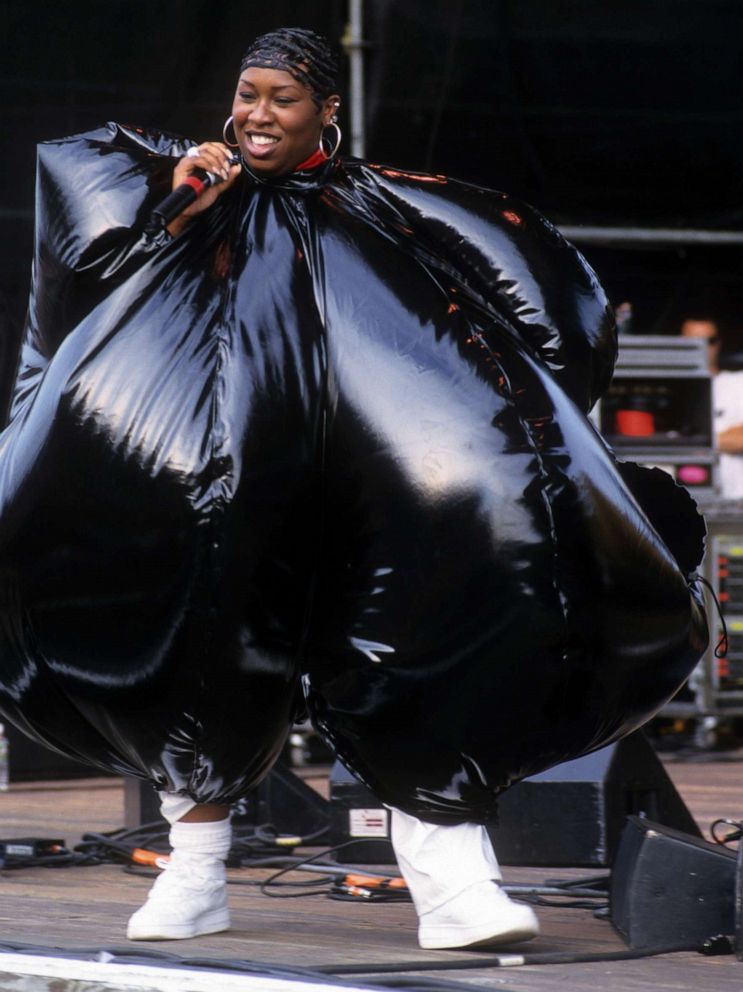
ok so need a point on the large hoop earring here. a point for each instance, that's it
(338, 137)
(231, 144)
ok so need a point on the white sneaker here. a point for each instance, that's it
(481, 914)
(181, 904)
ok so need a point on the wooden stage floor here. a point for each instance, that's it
(87, 907)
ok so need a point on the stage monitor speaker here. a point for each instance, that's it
(668, 887)
(358, 821)
(283, 799)
(29, 761)
(569, 816)
(141, 803)
(572, 815)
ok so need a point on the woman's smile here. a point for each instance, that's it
(260, 144)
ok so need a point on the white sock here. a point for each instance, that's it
(200, 849)
(174, 806)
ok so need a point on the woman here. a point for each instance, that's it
(325, 437)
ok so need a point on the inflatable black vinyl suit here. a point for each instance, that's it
(329, 447)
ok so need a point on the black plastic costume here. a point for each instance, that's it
(332, 436)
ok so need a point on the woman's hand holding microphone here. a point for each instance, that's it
(212, 157)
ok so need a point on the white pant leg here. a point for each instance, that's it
(173, 806)
(440, 862)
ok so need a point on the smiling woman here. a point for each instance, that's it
(284, 100)
(323, 443)
(276, 120)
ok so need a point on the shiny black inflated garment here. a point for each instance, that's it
(329, 447)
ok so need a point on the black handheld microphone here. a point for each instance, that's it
(184, 194)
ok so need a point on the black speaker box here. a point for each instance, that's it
(569, 816)
(29, 761)
(358, 821)
(668, 887)
(283, 799)
(572, 815)
(141, 803)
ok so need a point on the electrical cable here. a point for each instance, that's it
(538, 900)
(331, 873)
(421, 984)
(272, 880)
(117, 845)
(512, 960)
(714, 946)
(584, 882)
(721, 648)
(252, 847)
(262, 846)
(152, 957)
(730, 838)
(344, 882)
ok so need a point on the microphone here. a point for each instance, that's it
(184, 194)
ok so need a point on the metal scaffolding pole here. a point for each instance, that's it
(353, 43)
(590, 234)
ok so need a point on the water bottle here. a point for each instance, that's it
(4, 771)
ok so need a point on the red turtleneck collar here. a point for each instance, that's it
(315, 159)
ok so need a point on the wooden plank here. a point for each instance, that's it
(88, 907)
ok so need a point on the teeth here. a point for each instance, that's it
(262, 139)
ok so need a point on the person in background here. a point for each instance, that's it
(727, 405)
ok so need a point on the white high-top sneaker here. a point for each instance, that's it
(452, 874)
(189, 898)
(480, 915)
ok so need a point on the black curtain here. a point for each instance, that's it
(624, 112)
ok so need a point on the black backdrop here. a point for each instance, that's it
(620, 112)
(626, 112)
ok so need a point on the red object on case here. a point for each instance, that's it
(635, 423)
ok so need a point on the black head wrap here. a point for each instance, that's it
(306, 56)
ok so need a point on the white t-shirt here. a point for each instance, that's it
(727, 396)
